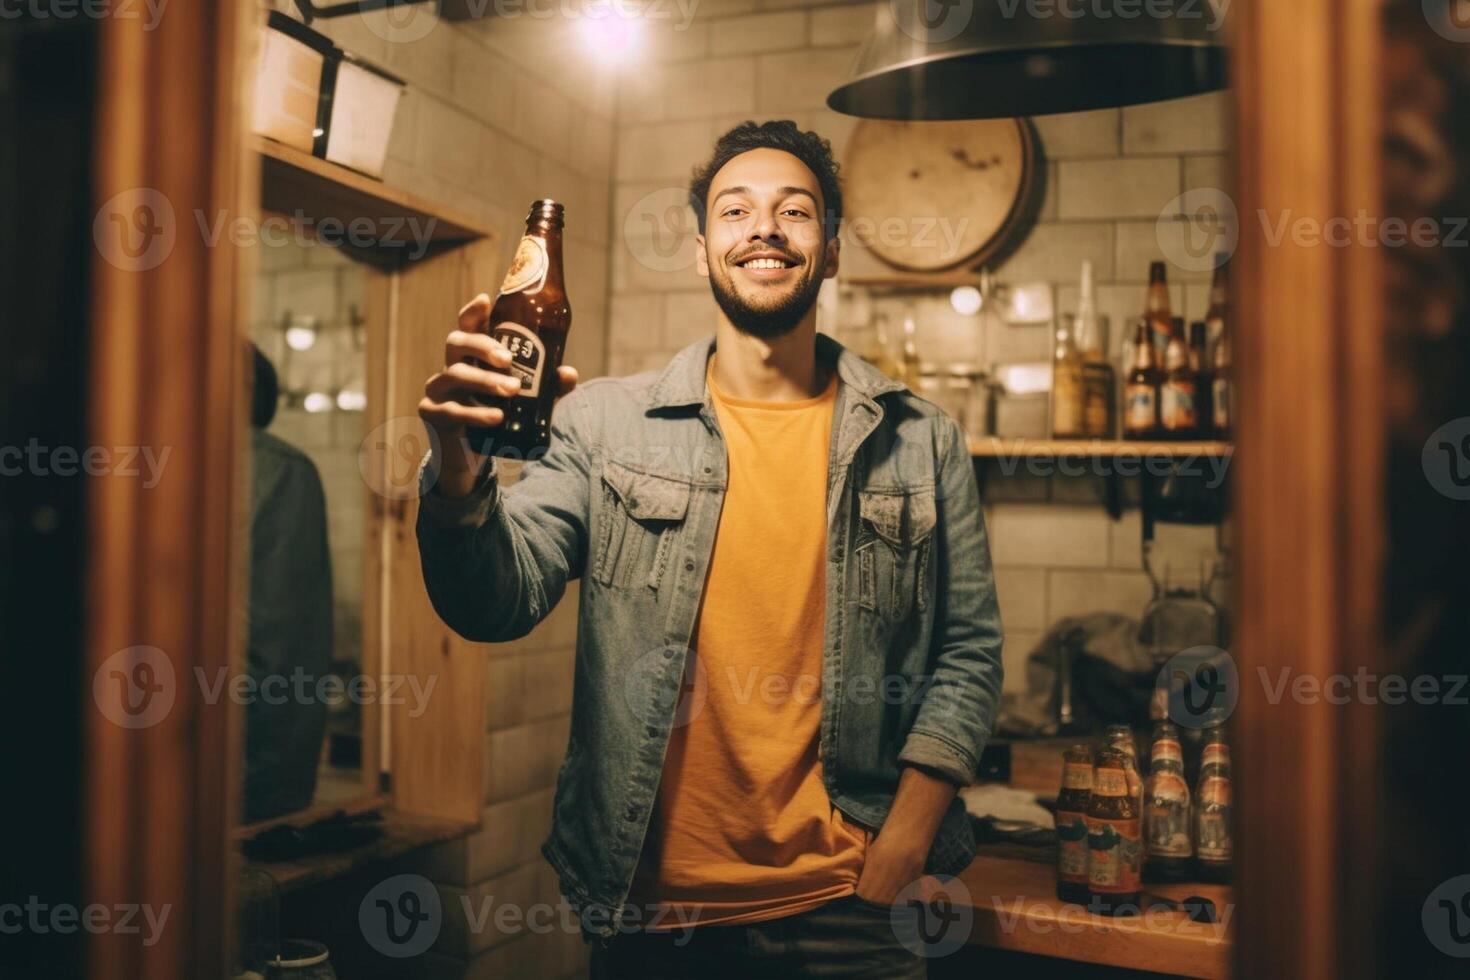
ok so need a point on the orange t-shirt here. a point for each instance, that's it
(744, 829)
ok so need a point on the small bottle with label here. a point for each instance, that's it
(1179, 393)
(1141, 388)
(1072, 804)
(1166, 815)
(1214, 841)
(1114, 839)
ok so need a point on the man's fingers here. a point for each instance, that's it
(451, 414)
(475, 314)
(461, 379)
(567, 376)
(462, 344)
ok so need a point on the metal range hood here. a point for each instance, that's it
(982, 59)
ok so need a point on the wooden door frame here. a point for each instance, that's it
(167, 372)
(1308, 505)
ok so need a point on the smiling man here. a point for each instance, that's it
(788, 655)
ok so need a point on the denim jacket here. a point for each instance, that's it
(628, 498)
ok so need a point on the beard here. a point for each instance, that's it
(766, 321)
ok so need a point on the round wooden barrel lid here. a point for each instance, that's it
(928, 196)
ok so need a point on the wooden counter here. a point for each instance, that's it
(1016, 908)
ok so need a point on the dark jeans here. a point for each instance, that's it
(847, 938)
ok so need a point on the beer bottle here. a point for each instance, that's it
(1179, 394)
(1166, 815)
(1120, 737)
(1214, 845)
(1114, 838)
(1199, 365)
(531, 317)
(1221, 405)
(1215, 317)
(1141, 389)
(1156, 306)
(1072, 803)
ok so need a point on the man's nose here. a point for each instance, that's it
(767, 228)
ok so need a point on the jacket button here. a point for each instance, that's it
(632, 813)
(689, 565)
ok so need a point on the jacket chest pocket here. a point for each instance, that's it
(895, 536)
(641, 514)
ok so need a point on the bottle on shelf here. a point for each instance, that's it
(1072, 802)
(909, 363)
(1067, 393)
(1120, 737)
(1166, 815)
(1156, 306)
(1179, 391)
(1114, 838)
(1217, 314)
(1204, 374)
(1141, 388)
(1214, 842)
(1222, 394)
(879, 352)
(1090, 337)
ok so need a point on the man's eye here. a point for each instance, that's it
(795, 212)
(734, 212)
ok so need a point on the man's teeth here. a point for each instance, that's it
(764, 264)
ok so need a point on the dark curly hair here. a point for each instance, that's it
(776, 134)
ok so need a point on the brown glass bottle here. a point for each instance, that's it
(1120, 737)
(1204, 374)
(1166, 815)
(1114, 838)
(1156, 306)
(1141, 388)
(1221, 391)
(1072, 803)
(1178, 393)
(531, 317)
(1214, 841)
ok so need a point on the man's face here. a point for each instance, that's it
(763, 247)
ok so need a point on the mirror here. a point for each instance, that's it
(304, 725)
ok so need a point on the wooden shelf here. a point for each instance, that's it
(1016, 908)
(992, 446)
(402, 833)
(293, 181)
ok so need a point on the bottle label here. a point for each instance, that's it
(527, 273)
(1139, 411)
(1212, 820)
(1109, 782)
(1114, 854)
(1167, 750)
(1077, 775)
(1215, 752)
(1220, 394)
(527, 355)
(1167, 822)
(1178, 406)
(1072, 847)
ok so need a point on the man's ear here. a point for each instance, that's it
(830, 256)
(701, 260)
